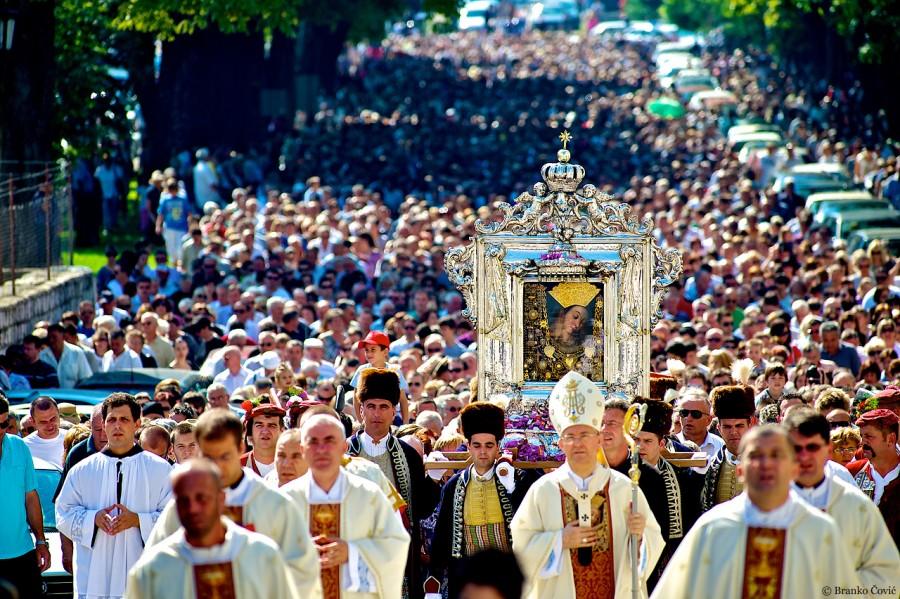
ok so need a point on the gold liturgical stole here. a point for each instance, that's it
(214, 581)
(595, 580)
(325, 519)
(763, 563)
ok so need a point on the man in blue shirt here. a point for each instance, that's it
(21, 559)
(172, 218)
(845, 356)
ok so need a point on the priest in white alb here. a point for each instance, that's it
(110, 502)
(863, 531)
(210, 555)
(765, 543)
(362, 543)
(571, 533)
(250, 502)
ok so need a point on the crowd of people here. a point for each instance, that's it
(312, 294)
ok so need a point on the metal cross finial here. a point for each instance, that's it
(565, 137)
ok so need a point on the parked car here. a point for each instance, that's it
(79, 397)
(814, 202)
(474, 14)
(814, 178)
(848, 222)
(555, 14)
(861, 238)
(144, 379)
(57, 582)
(759, 139)
(831, 210)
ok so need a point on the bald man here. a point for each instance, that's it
(209, 556)
(234, 375)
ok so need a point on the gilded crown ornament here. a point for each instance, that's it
(562, 176)
(574, 294)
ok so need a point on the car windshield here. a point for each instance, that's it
(46, 482)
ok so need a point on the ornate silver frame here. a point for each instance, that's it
(562, 231)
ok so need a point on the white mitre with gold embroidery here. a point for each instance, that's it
(575, 400)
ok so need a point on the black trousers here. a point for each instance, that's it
(23, 574)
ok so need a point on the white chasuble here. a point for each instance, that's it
(377, 541)
(246, 566)
(863, 532)
(270, 513)
(538, 525)
(710, 562)
(139, 481)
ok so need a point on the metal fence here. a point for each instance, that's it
(35, 223)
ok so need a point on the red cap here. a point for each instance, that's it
(877, 417)
(375, 338)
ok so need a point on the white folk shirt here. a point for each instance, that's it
(50, 450)
(711, 446)
(882, 481)
(139, 480)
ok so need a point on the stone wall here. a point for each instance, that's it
(39, 299)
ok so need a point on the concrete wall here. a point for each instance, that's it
(39, 299)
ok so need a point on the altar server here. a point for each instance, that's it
(110, 502)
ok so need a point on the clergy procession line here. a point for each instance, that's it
(770, 516)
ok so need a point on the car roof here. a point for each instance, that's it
(830, 196)
(878, 233)
(79, 397)
(757, 136)
(141, 379)
(818, 167)
(868, 214)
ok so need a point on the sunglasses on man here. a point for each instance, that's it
(695, 414)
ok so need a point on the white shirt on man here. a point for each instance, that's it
(49, 450)
(127, 360)
(232, 382)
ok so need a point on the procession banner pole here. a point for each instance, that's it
(634, 420)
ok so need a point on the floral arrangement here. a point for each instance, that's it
(531, 436)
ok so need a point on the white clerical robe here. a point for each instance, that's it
(258, 569)
(710, 560)
(377, 541)
(273, 514)
(102, 561)
(864, 534)
(538, 524)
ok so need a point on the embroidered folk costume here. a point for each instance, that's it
(356, 511)
(476, 509)
(884, 490)
(246, 566)
(253, 505)
(675, 496)
(401, 464)
(721, 483)
(602, 500)
(737, 550)
(249, 459)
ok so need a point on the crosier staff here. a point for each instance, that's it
(634, 420)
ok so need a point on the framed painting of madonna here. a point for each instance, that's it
(565, 278)
(563, 326)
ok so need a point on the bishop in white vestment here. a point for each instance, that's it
(571, 533)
